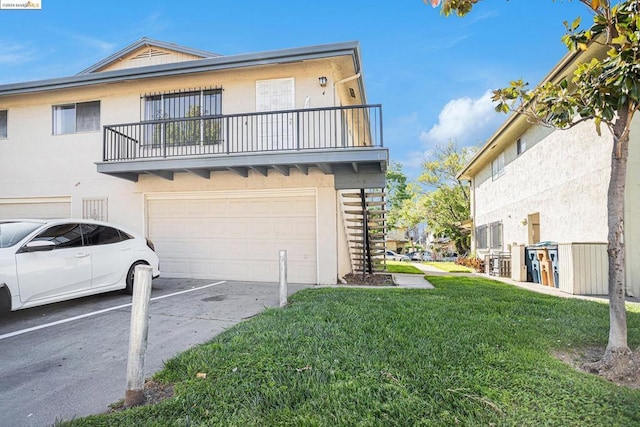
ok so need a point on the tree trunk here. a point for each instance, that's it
(616, 246)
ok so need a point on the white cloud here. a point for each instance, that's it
(16, 53)
(465, 120)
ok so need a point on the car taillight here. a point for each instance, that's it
(150, 244)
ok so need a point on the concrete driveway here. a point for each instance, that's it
(69, 359)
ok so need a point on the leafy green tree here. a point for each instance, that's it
(445, 201)
(396, 194)
(606, 91)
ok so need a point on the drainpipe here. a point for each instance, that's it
(346, 79)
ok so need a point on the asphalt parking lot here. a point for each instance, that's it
(69, 359)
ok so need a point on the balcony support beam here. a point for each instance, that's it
(262, 170)
(243, 172)
(284, 170)
(325, 167)
(168, 175)
(204, 173)
(304, 169)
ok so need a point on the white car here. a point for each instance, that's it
(46, 261)
(396, 256)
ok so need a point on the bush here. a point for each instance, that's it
(472, 262)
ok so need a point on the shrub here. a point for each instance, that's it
(472, 262)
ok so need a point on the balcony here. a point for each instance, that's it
(343, 141)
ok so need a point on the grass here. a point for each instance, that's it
(402, 267)
(450, 267)
(471, 352)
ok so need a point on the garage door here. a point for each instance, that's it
(54, 207)
(234, 237)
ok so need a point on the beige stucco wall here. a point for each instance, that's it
(563, 175)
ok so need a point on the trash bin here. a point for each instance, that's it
(533, 264)
(542, 260)
(546, 269)
(555, 265)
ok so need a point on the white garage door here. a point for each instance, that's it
(35, 208)
(234, 237)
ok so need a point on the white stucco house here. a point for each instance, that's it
(532, 184)
(221, 161)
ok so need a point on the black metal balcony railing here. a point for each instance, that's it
(312, 128)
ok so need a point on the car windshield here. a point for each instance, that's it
(12, 232)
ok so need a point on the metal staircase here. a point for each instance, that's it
(364, 213)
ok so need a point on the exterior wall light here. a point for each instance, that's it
(323, 81)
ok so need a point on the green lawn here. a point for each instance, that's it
(402, 267)
(449, 266)
(471, 352)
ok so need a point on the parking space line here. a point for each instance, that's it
(94, 313)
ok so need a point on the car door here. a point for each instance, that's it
(62, 268)
(111, 254)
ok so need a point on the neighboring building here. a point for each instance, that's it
(397, 239)
(220, 160)
(533, 184)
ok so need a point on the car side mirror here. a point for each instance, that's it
(38, 246)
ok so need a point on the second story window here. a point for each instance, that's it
(73, 118)
(3, 124)
(179, 105)
(521, 146)
(173, 116)
(497, 166)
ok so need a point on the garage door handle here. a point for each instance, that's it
(82, 254)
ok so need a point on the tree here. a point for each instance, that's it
(437, 198)
(447, 205)
(396, 193)
(605, 90)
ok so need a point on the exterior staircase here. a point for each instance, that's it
(365, 215)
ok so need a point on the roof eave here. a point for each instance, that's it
(188, 67)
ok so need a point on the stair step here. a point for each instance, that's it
(374, 220)
(366, 195)
(369, 211)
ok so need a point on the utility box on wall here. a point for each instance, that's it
(584, 268)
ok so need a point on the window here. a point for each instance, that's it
(521, 146)
(481, 237)
(183, 105)
(63, 235)
(495, 235)
(497, 166)
(102, 235)
(73, 118)
(3, 124)
(95, 209)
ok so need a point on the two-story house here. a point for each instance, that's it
(221, 161)
(531, 184)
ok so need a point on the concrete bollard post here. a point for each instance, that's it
(283, 278)
(138, 335)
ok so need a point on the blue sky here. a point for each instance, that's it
(431, 74)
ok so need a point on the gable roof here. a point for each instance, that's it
(150, 43)
(284, 56)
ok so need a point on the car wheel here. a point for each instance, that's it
(130, 276)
